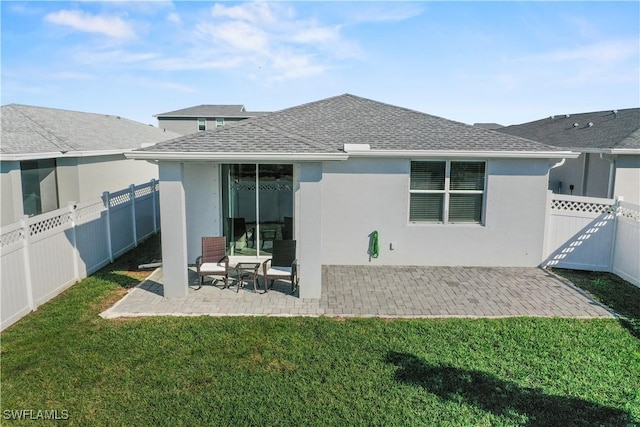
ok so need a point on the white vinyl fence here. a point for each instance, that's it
(43, 255)
(587, 233)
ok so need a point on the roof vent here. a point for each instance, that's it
(356, 147)
(590, 124)
(615, 113)
(576, 124)
(567, 115)
(552, 117)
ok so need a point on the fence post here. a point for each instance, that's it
(616, 213)
(27, 261)
(107, 204)
(132, 191)
(74, 217)
(155, 214)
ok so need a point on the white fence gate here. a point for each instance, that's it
(43, 255)
(587, 233)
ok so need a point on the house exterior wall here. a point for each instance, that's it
(174, 229)
(187, 125)
(363, 195)
(11, 192)
(202, 196)
(570, 173)
(111, 173)
(627, 181)
(597, 176)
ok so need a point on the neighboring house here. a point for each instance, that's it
(438, 192)
(50, 157)
(489, 126)
(203, 117)
(609, 143)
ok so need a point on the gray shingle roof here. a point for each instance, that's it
(325, 126)
(609, 131)
(203, 111)
(30, 130)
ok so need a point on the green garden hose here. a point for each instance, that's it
(373, 245)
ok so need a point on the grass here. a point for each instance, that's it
(312, 371)
(612, 291)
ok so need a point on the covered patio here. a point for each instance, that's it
(373, 291)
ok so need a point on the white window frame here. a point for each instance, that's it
(447, 193)
(219, 122)
(204, 122)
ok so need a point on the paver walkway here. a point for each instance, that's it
(365, 291)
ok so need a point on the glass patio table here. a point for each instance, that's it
(247, 270)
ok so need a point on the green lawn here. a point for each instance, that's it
(313, 371)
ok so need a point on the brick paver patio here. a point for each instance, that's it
(365, 291)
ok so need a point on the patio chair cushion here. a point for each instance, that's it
(211, 267)
(279, 271)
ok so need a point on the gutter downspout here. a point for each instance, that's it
(612, 175)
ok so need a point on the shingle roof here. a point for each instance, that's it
(609, 130)
(30, 130)
(203, 111)
(325, 126)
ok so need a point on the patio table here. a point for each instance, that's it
(248, 270)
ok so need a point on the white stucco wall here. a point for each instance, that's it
(627, 181)
(363, 195)
(202, 196)
(597, 179)
(174, 230)
(571, 172)
(11, 193)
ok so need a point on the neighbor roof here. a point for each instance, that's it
(29, 130)
(596, 131)
(203, 111)
(325, 126)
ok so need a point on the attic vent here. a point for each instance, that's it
(575, 125)
(356, 147)
(590, 124)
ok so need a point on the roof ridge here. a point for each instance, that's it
(44, 131)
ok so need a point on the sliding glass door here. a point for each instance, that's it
(257, 206)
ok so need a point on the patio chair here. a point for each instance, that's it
(282, 265)
(287, 229)
(238, 232)
(214, 260)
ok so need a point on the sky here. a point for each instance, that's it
(501, 62)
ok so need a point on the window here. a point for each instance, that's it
(219, 122)
(202, 124)
(39, 186)
(446, 191)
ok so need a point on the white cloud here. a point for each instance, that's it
(236, 35)
(256, 12)
(111, 26)
(602, 52)
(174, 18)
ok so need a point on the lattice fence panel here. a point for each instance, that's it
(90, 210)
(271, 186)
(12, 238)
(586, 207)
(143, 190)
(50, 223)
(121, 198)
(631, 214)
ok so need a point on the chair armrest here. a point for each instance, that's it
(265, 267)
(225, 259)
(199, 262)
(295, 271)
